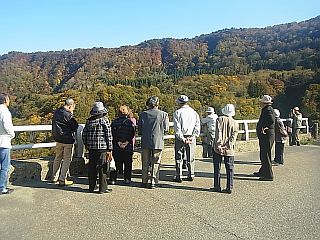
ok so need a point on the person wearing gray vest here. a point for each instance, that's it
(152, 125)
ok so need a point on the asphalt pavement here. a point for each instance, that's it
(287, 208)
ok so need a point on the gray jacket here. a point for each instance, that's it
(152, 125)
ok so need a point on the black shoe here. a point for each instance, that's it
(190, 179)
(298, 144)
(108, 190)
(6, 191)
(265, 179)
(215, 189)
(227, 190)
(256, 174)
(177, 179)
(152, 186)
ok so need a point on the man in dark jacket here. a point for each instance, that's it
(64, 127)
(152, 125)
(266, 135)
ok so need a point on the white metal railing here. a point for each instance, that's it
(246, 127)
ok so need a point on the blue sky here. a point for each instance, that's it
(45, 25)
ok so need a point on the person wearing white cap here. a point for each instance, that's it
(280, 138)
(209, 125)
(224, 144)
(266, 136)
(296, 125)
(186, 124)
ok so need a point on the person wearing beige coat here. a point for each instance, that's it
(224, 144)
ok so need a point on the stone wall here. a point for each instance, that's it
(41, 169)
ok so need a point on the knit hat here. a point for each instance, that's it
(98, 109)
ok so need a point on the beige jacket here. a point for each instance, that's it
(226, 136)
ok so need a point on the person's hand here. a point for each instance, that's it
(109, 156)
(123, 145)
(263, 131)
(188, 140)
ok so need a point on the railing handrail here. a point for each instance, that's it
(79, 144)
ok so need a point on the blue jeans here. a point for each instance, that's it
(4, 167)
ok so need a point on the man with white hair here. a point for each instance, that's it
(152, 125)
(64, 125)
(186, 123)
(266, 136)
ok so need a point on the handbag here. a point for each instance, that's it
(112, 165)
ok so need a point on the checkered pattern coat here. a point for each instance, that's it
(97, 134)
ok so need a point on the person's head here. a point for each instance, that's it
(69, 105)
(210, 110)
(276, 113)
(152, 102)
(183, 99)
(98, 109)
(265, 100)
(228, 110)
(4, 99)
(296, 109)
(123, 111)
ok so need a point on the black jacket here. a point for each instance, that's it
(63, 126)
(122, 130)
(266, 120)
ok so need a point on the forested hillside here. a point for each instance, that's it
(231, 65)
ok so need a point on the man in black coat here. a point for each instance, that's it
(266, 136)
(64, 126)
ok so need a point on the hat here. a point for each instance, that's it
(228, 110)
(266, 99)
(210, 110)
(182, 99)
(296, 109)
(276, 112)
(98, 109)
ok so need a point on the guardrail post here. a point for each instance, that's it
(246, 130)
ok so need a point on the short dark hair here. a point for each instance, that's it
(3, 97)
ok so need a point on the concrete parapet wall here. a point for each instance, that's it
(41, 169)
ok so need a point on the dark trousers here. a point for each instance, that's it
(279, 152)
(228, 163)
(266, 143)
(122, 158)
(97, 165)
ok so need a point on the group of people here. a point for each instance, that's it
(114, 141)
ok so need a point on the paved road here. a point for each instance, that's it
(287, 208)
